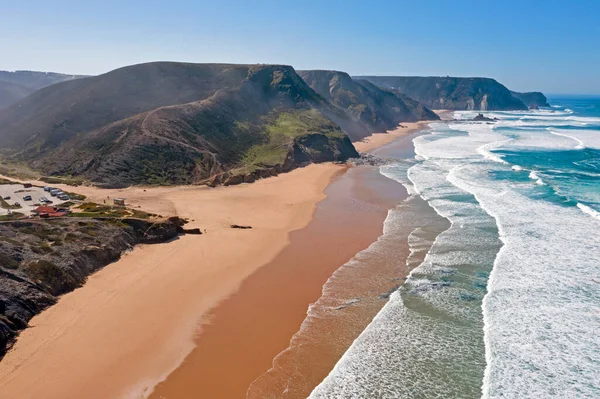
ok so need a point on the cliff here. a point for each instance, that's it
(43, 259)
(532, 99)
(451, 93)
(371, 108)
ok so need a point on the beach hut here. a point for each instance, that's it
(119, 201)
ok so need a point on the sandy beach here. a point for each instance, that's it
(151, 316)
(134, 321)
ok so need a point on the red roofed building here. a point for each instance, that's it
(50, 211)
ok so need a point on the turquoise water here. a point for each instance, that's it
(506, 303)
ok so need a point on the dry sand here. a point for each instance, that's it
(134, 320)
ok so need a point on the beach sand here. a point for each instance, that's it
(134, 321)
(151, 316)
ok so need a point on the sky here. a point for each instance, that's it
(550, 46)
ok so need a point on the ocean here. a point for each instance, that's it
(506, 301)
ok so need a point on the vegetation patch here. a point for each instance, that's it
(70, 181)
(281, 130)
(93, 210)
(6, 205)
(8, 262)
(12, 216)
(48, 274)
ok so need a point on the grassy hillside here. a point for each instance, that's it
(451, 93)
(165, 123)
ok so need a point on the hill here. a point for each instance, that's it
(16, 85)
(11, 92)
(532, 99)
(370, 107)
(451, 93)
(35, 80)
(164, 123)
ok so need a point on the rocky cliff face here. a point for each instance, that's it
(371, 108)
(42, 259)
(452, 93)
(532, 99)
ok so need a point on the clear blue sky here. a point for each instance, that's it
(553, 46)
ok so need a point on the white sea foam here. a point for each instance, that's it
(586, 209)
(584, 138)
(579, 146)
(541, 308)
(538, 180)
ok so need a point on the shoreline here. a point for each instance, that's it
(250, 328)
(140, 284)
(132, 323)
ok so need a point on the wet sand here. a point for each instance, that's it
(134, 321)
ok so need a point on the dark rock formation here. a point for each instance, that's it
(482, 118)
(43, 259)
(369, 160)
(451, 93)
(237, 226)
(533, 99)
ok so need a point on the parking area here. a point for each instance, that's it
(15, 193)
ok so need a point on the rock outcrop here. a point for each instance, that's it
(43, 259)
(483, 118)
(533, 99)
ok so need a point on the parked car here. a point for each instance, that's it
(7, 197)
(54, 192)
(27, 198)
(63, 197)
(46, 188)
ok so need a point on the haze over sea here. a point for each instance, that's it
(506, 303)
